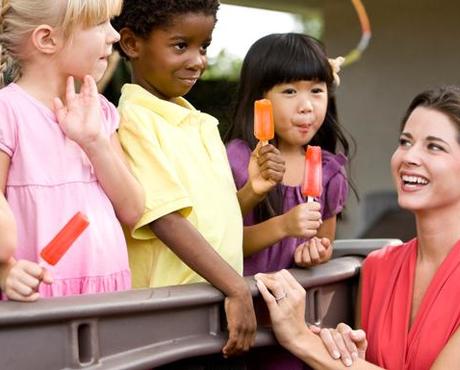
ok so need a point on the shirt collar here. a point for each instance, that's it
(173, 112)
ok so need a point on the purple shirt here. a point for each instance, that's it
(332, 200)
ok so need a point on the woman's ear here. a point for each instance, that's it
(45, 39)
(129, 43)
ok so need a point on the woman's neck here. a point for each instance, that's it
(437, 232)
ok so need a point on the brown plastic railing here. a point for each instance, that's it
(141, 329)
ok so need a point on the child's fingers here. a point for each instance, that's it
(16, 296)
(47, 278)
(298, 255)
(313, 249)
(70, 90)
(306, 258)
(59, 109)
(91, 88)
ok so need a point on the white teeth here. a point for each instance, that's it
(414, 180)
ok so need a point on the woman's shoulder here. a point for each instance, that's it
(387, 256)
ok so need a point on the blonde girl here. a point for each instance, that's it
(59, 151)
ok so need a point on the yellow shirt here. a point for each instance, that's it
(176, 153)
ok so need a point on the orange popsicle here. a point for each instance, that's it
(57, 247)
(264, 128)
(312, 179)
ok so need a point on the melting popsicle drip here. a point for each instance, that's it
(312, 186)
(264, 128)
(57, 247)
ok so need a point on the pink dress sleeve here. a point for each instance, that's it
(8, 129)
(111, 119)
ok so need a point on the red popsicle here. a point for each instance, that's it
(312, 179)
(57, 247)
(264, 128)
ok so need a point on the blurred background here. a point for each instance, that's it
(415, 44)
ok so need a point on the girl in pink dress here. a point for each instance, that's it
(59, 152)
(409, 293)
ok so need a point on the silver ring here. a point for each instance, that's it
(277, 299)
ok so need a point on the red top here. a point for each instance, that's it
(387, 285)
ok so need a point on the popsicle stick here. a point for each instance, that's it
(264, 142)
(310, 199)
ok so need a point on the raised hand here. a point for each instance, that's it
(80, 116)
(266, 168)
(313, 252)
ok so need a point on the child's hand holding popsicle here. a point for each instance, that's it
(266, 166)
(19, 280)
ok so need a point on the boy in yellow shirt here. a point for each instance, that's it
(191, 228)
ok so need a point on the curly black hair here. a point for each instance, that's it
(142, 16)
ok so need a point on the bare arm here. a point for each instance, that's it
(120, 185)
(288, 322)
(80, 120)
(190, 246)
(327, 228)
(300, 221)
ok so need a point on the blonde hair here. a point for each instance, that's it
(18, 19)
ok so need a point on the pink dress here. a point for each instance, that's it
(387, 286)
(49, 180)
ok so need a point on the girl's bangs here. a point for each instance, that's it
(295, 64)
(90, 12)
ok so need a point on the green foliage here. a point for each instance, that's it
(224, 66)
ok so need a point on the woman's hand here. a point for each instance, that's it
(343, 342)
(19, 280)
(80, 116)
(285, 299)
(313, 252)
(266, 169)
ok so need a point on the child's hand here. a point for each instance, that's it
(20, 280)
(302, 220)
(266, 168)
(242, 324)
(80, 117)
(343, 342)
(313, 252)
